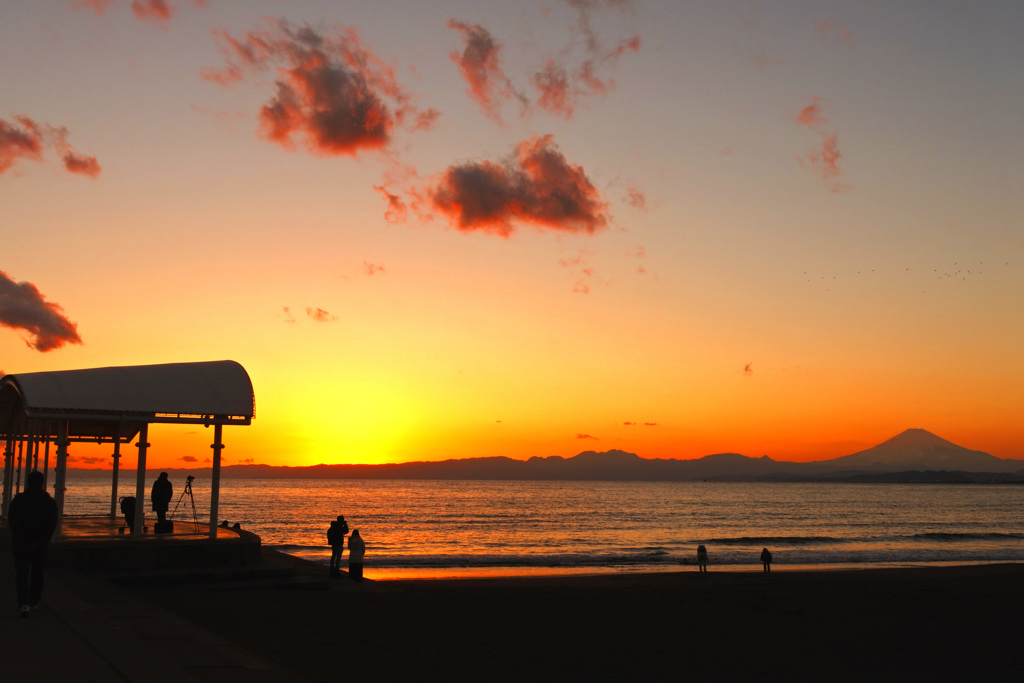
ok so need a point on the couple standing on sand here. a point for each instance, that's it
(702, 559)
(356, 549)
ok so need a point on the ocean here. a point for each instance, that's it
(443, 529)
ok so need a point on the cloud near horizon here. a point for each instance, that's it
(23, 307)
(535, 185)
(25, 139)
(333, 95)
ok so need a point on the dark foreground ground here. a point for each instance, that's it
(945, 623)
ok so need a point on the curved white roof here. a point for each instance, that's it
(208, 392)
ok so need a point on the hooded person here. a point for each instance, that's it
(160, 495)
(356, 551)
(32, 518)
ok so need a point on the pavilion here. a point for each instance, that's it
(115, 405)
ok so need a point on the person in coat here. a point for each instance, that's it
(32, 518)
(766, 559)
(160, 495)
(336, 538)
(356, 551)
(702, 558)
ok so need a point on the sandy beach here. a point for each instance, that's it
(942, 623)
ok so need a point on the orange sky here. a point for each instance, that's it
(439, 230)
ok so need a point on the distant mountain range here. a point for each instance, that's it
(914, 455)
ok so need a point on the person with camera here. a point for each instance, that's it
(336, 539)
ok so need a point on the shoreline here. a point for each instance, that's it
(894, 623)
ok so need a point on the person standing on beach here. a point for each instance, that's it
(160, 495)
(336, 539)
(702, 558)
(32, 518)
(356, 550)
(766, 559)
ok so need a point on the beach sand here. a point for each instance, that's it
(939, 623)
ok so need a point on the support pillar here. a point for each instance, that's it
(61, 473)
(217, 447)
(116, 465)
(140, 480)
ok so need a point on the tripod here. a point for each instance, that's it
(188, 490)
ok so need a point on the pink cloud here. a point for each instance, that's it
(810, 115)
(536, 185)
(824, 161)
(333, 95)
(23, 307)
(836, 29)
(158, 11)
(635, 197)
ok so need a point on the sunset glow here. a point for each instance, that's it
(450, 230)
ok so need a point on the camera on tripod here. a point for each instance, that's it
(188, 491)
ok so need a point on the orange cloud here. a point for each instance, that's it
(25, 141)
(396, 211)
(23, 307)
(480, 65)
(372, 268)
(587, 436)
(332, 93)
(562, 87)
(320, 315)
(535, 185)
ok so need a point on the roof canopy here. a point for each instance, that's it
(109, 403)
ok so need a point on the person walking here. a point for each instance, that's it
(160, 495)
(702, 558)
(336, 539)
(356, 551)
(766, 560)
(32, 518)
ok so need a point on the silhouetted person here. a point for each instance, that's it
(336, 539)
(356, 550)
(32, 518)
(161, 497)
(766, 559)
(702, 558)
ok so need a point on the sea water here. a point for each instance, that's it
(459, 528)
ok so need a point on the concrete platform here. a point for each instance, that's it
(90, 627)
(102, 543)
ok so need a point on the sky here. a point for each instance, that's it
(434, 230)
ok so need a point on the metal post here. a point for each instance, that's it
(217, 447)
(140, 479)
(60, 477)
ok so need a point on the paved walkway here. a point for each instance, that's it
(86, 629)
